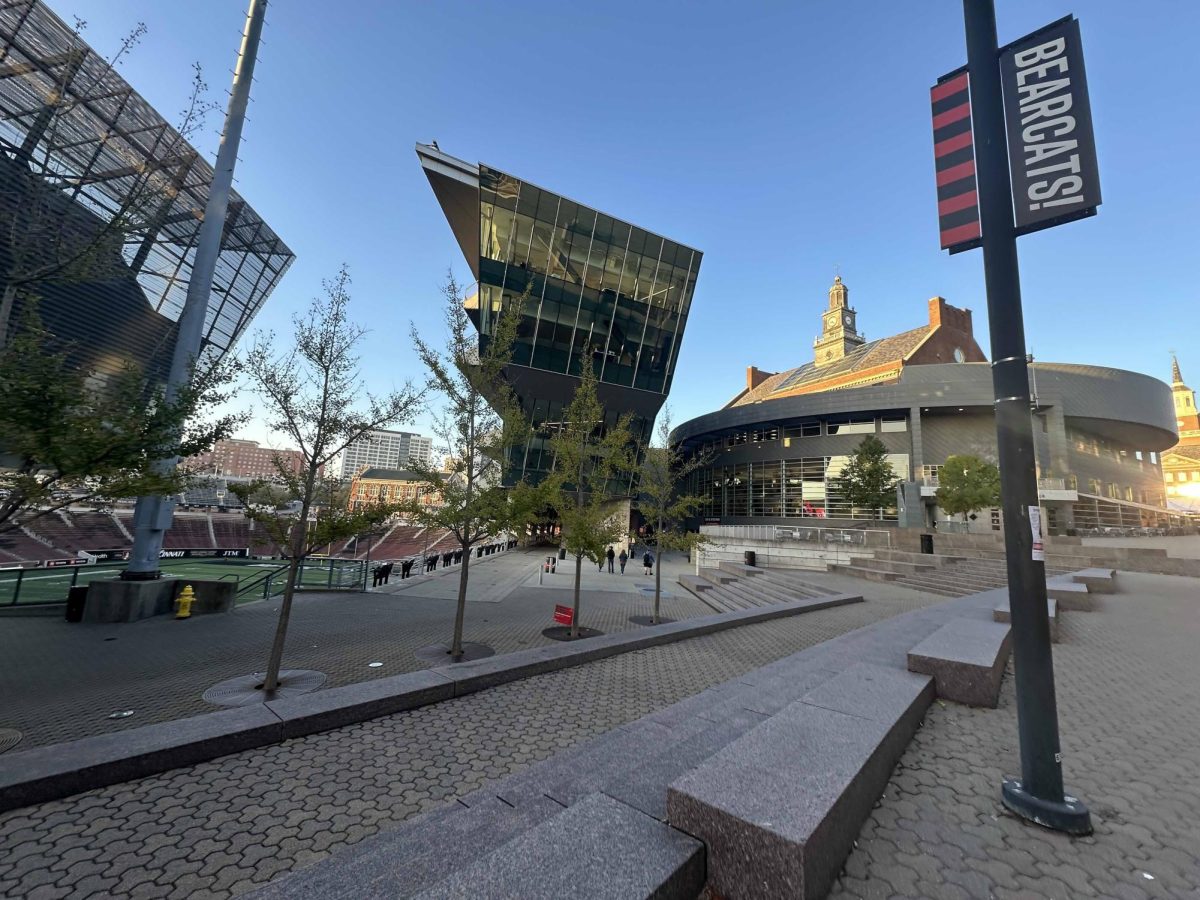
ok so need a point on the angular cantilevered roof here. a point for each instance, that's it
(455, 183)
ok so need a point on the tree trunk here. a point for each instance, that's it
(456, 647)
(658, 570)
(575, 614)
(271, 682)
(6, 305)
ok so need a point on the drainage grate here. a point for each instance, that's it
(246, 690)
(9, 738)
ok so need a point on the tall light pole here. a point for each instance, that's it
(152, 515)
(1038, 795)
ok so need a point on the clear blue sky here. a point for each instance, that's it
(781, 139)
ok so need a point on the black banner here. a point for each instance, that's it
(1051, 148)
(188, 553)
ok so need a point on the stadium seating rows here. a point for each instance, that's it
(68, 533)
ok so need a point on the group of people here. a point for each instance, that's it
(623, 558)
(382, 572)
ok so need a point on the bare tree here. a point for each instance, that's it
(313, 393)
(592, 467)
(664, 470)
(68, 438)
(477, 423)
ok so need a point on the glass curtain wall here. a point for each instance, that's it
(602, 290)
(788, 488)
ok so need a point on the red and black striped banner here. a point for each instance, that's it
(954, 163)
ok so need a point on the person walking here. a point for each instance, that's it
(387, 572)
(610, 556)
(376, 576)
(623, 558)
(648, 563)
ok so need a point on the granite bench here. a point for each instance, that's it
(599, 848)
(966, 659)
(1070, 594)
(779, 808)
(1002, 613)
(1097, 581)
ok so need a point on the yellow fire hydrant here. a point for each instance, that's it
(186, 597)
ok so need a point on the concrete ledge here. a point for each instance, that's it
(1002, 613)
(598, 848)
(1070, 594)
(737, 568)
(1097, 581)
(60, 770)
(695, 583)
(779, 808)
(966, 658)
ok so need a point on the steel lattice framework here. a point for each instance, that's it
(70, 124)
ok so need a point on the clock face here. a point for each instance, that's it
(847, 320)
(959, 356)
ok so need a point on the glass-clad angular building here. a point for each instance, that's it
(604, 292)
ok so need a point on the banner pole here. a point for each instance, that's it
(1038, 794)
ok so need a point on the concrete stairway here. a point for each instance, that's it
(734, 586)
(948, 576)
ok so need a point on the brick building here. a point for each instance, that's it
(245, 459)
(389, 486)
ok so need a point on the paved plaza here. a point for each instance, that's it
(1126, 678)
(219, 828)
(61, 681)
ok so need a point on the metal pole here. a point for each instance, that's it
(367, 565)
(1038, 795)
(152, 515)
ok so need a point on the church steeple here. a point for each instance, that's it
(839, 335)
(1187, 417)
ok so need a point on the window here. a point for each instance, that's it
(853, 426)
(1153, 457)
(765, 435)
(893, 423)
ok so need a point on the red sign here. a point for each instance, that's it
(564, 615)
(954, 163)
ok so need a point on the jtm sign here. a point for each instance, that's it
(1051, 149)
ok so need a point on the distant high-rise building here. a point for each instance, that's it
(386, 450)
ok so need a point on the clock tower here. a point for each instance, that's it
(839, 335)
(1187, 417)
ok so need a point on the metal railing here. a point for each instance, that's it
(801, 533)
(47, 586)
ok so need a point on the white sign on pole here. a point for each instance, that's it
(1035, 526)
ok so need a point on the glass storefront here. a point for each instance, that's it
(781, 488)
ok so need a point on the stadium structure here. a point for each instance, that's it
(776, 449)
(101, 201)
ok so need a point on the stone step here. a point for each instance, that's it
(716, 576)
(1002, 613)
(736, 568)
(798, 582)
(1070, 594)
(890, 565)
(597, 848)
(860, 572)
(933, 559)
(798, 787)
(966, 658)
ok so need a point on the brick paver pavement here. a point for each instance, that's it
(219, 828)
(60, 681)
(1128, 684)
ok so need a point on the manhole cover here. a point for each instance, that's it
(648, 590)
(440, 653)
(9, 738)
(649, 620)
(246, 690)
(563, 633)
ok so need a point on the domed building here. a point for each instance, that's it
(778, 446)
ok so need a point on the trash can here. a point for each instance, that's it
(750, 558)
(76, 597)
(562, 552)
(927, 543)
